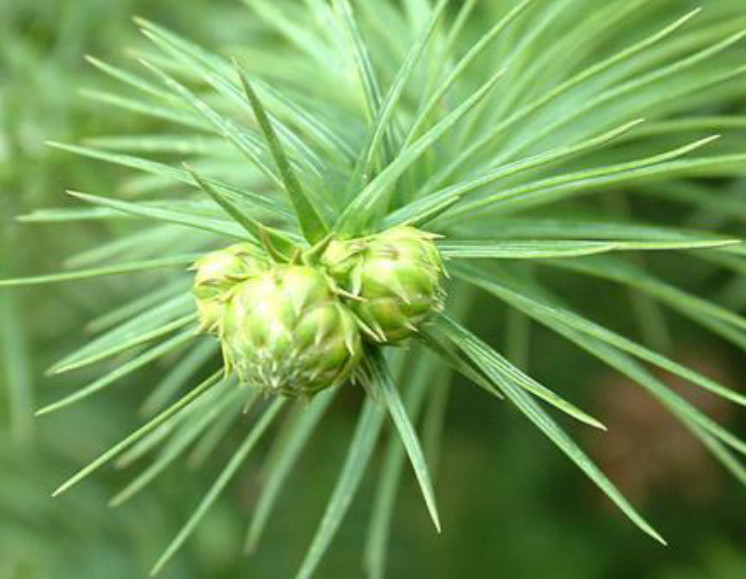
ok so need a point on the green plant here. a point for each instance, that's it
(350, 121)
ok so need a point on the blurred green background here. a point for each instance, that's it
(511, 505)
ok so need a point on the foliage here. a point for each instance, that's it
(537, 139)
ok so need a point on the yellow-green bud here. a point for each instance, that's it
(285, 331)
(395, 278)
(217, 273)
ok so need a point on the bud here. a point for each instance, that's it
(395, 280)
(284, 331)
(217, 273)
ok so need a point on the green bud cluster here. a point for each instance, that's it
(297, 328)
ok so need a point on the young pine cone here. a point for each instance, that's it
(395, 279)
(219, 272)
(284, 331)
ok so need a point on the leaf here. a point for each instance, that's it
(120, 372)
(366, 201)
(383, 507)
(552, 249)
(678, 405)
(255, 229)
(311, 222)
(65, 215)
(431, 341)
(421, 210)
(560, 89)
(177, 446)
(577, 322)
(722, 454)
(179, 375)
(518, 339)
(175, 144)
(627, 274)
(214, 71)
(168, 434)
(220, 483)
(142, 244)
(282, 459)
(242, 139)
(177, 116)
(625, 364)
(137, 266)
(175, 213)
(157, 437)
(357, 48)
(207, 445)
(143, 338)
(132, 327)
(131, 79)
(536, 228)
(260, 202)
(459, 22)
(421, 370)
(388, 107)
(160, 436)
(640, 81)
(702, 197)
(460, 68)
(519, 378)
(389, 393)
(296, 33)
(150, 426)
(560, 186)
(479, 353)
(119, 315)
(358, 456)
(706, 166)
